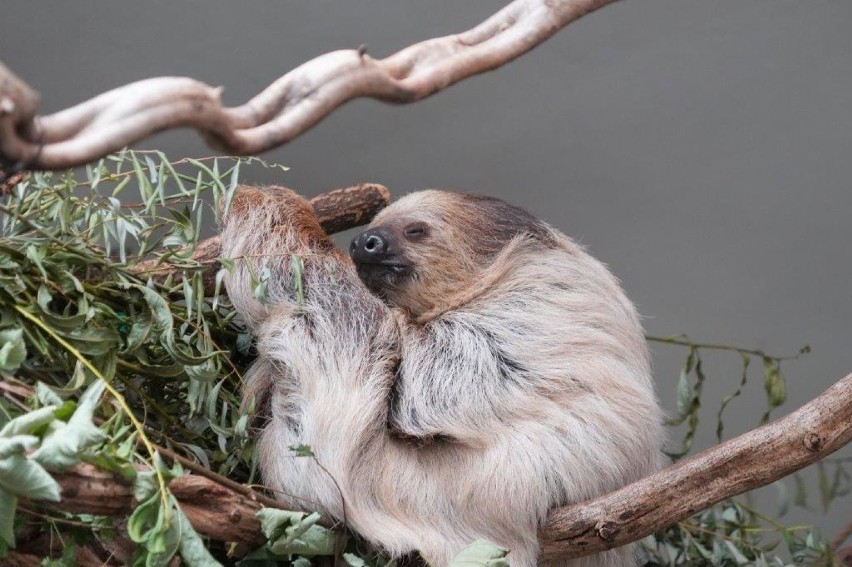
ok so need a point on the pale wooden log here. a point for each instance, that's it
(286, 109)
(752, 460)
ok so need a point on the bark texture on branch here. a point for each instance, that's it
(286, 109)
(215, 511)
(752, 460)
(749, 461)
(337, 210)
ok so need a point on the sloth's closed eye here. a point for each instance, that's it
(415, 231)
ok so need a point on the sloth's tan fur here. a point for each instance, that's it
(508, 375)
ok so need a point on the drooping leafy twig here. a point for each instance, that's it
(689, 391)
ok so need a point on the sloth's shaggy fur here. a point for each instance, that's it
(502, 374)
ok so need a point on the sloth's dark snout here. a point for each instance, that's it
(373, 246)
(379, 258)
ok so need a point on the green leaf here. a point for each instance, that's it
(8, 503)
(295, 533)
(736, 553)
(25, 477)
(302, 450)
(354, 561)
(164, 322)
(148, 526)
(139, 332)
(92, 341)
(62, 321)
(13, 350)
(683, 393)
(17, 445)
(29, 422)
(192, 548)
(46, 396)
(774, 384)
(481, 552)
(61, 447)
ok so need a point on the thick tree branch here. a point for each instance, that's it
(337, 210)
(287, 108)
(749, 461)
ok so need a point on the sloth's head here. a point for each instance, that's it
(432, 244)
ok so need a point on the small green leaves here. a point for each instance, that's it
(302, 450)
(21, 476)
(728, 534)
(13, 351)
(162, 530)
(295, 533)
(481, 553)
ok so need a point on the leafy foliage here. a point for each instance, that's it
(100, 364)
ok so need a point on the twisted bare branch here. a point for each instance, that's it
(287, 108)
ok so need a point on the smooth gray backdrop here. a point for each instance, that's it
(702, 148)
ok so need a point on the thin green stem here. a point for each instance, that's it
(683, 340)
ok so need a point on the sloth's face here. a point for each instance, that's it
(410, 255)
(388, 255)
(430, 245)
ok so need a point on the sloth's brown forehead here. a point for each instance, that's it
(487, 221)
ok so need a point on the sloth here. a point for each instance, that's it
(468, 369)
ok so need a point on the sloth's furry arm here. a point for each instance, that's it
(338, 347)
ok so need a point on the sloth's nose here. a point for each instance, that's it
(374, 243)
(369, 245)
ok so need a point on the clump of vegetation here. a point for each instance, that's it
(102, 364)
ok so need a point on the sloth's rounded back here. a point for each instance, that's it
(571, 383)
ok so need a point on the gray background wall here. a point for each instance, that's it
(702, 148)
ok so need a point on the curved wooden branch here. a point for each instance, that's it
(214, 510)
(337, 210)
(749, 461)
(287, 108)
